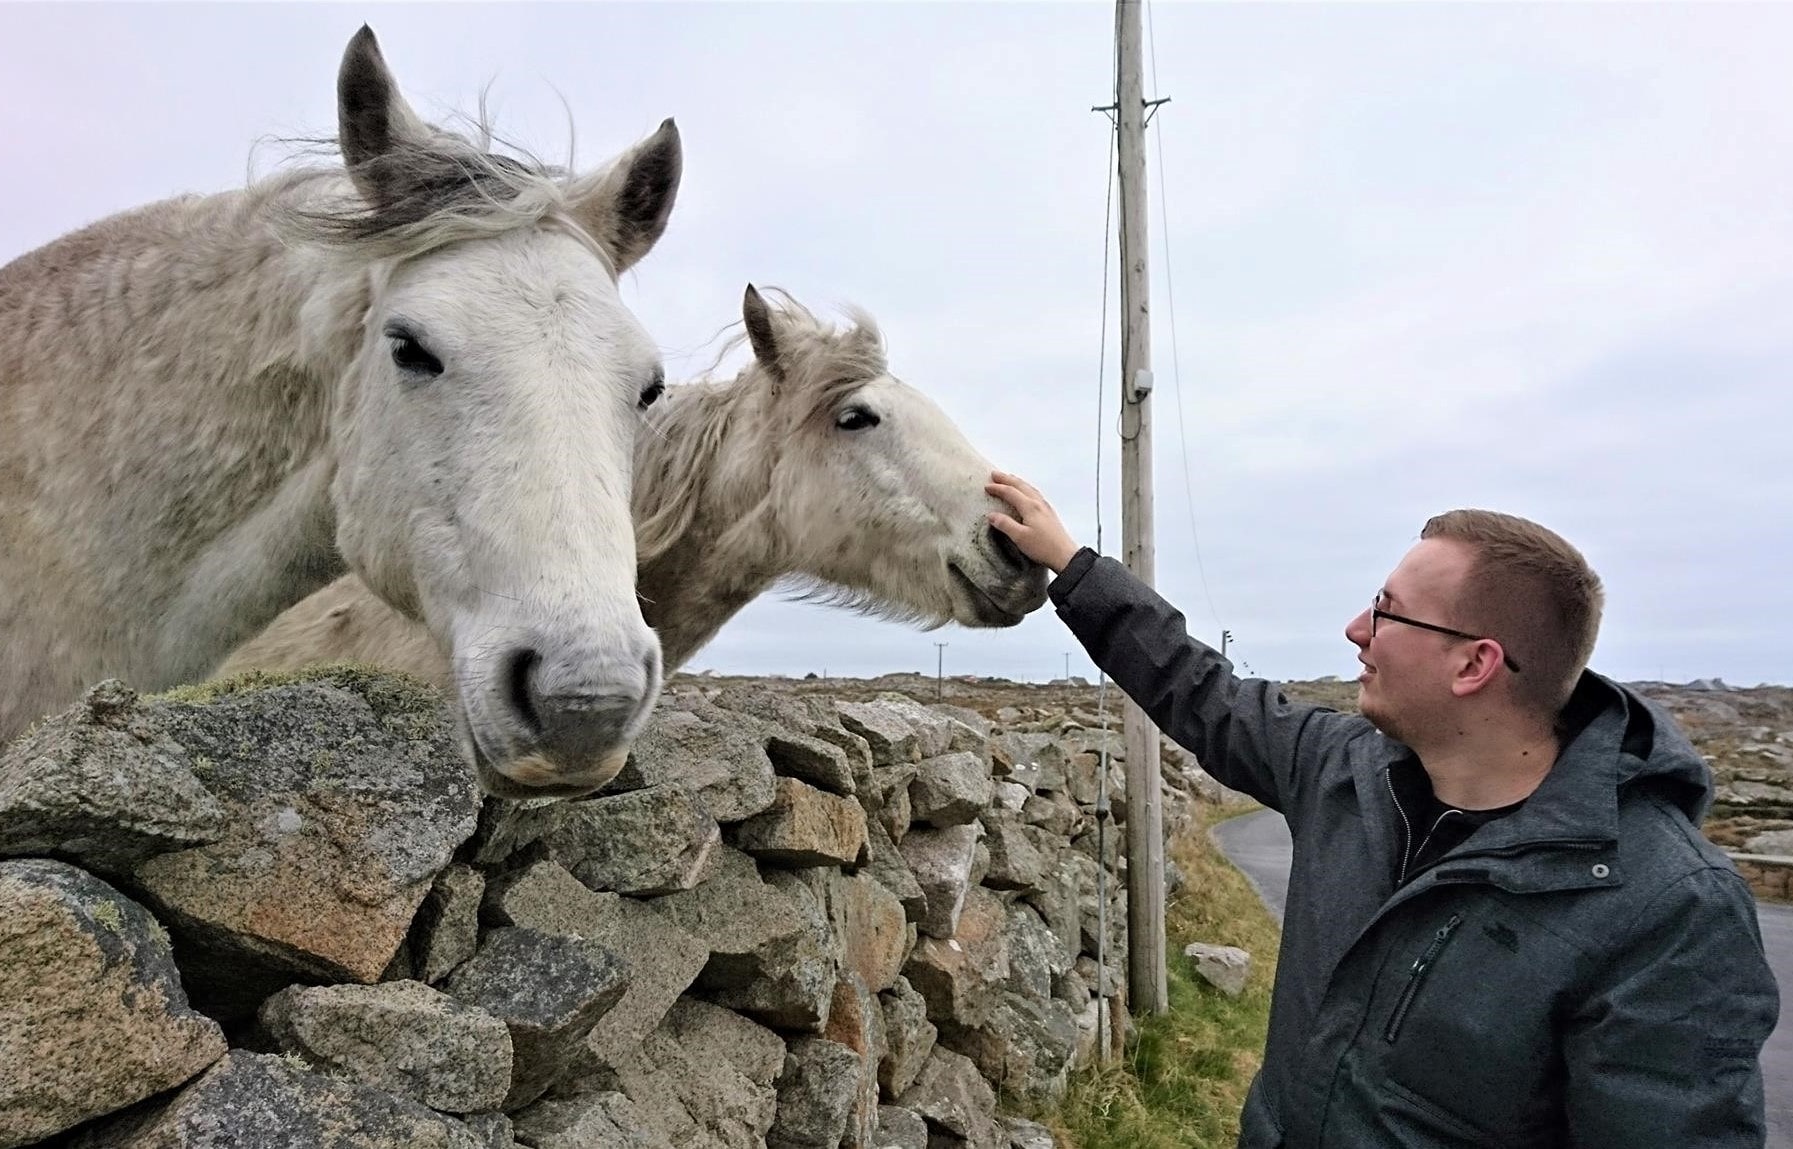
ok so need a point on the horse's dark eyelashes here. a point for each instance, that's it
(856, 419)
(411, 356)
(652, 391)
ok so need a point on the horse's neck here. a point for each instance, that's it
(727, 551)
(686, 604)
(175, 428)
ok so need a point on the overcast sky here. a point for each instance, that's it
(1533, 258)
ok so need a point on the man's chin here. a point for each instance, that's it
(1368, 706)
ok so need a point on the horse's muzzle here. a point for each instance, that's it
(557, 720)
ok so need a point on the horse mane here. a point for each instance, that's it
(446, 189)
(821, 363)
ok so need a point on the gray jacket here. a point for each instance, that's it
(1587, 971)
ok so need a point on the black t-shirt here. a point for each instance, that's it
(1433, 829)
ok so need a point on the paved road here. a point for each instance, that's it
(1259, 845)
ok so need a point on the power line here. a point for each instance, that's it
(1170, 299)
(1102, 357)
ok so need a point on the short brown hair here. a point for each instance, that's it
(1532, 592)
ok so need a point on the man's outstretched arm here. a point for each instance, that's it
(1243, 732)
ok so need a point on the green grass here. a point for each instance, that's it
(1182, 1080)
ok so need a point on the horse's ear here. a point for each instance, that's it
(627, 208)
(760, 335)
(373, 120)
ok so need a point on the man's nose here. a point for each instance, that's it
(1357, 631)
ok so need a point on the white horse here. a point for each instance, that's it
(812, 465)
(418, 363)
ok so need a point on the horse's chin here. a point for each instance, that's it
(992, 610)
(533, 776)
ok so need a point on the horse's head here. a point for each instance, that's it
(487, 421)
(874, 490)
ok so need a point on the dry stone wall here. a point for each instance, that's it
(277, 912)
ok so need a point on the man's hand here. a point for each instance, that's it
(1033, 526)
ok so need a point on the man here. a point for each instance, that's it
(1504, 927)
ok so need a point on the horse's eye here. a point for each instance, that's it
(856, 419)
(409, 355)
(651, 392)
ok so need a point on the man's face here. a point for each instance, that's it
(1405, 687)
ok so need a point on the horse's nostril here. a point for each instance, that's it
(1006, 547)
(519, 691)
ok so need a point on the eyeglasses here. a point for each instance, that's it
(1377, 614)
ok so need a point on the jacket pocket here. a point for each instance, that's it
(1416, 977)
(1410, 1119)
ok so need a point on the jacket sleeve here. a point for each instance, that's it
(1666, 1050)
(1242, 731)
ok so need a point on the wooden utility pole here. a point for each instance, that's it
(1146, 983)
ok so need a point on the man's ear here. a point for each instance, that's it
(1478, 663)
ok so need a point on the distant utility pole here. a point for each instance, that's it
(939, 669)
(1226, 636)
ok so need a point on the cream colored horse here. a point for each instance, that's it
(418, 363)
(813, 464)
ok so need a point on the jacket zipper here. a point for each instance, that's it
(1406, 829)
(1416, 976)
(1407, 852)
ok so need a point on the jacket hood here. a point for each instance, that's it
(1646, 745)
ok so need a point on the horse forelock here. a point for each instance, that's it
(441, 191)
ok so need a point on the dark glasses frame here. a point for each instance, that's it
(1377, 614)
